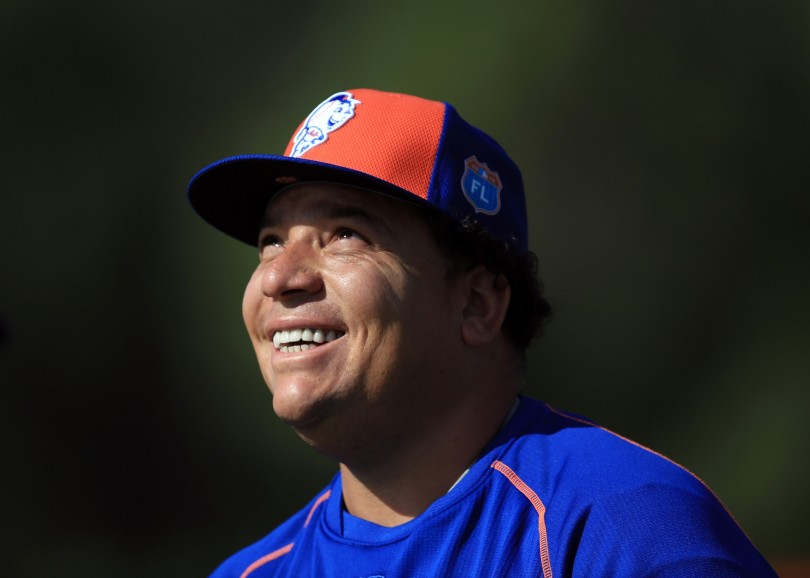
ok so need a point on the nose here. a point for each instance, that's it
(293, 273)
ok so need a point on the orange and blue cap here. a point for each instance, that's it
(410, 148)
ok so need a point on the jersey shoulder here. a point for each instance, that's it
(588, 457)
(615, 507)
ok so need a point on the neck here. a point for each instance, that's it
(396, 487)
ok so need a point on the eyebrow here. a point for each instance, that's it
(329, 210)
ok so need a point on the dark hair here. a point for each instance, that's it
(466, 244)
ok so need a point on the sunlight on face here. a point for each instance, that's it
(349, 308)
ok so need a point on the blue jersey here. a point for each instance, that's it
(552, 495)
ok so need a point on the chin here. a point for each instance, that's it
(295, 415)
(319, 428)
(323, 438)
(301, 413)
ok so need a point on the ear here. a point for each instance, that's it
(487, 299)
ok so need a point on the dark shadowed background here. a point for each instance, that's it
(664, 148)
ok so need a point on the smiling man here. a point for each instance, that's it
(390, 312)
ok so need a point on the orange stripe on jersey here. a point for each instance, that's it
(265, 559)
(285, 549)
(538, 506)
(321, 499)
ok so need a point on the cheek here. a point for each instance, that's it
(251, 302)
(376, 290)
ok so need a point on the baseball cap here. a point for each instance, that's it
(414, 149)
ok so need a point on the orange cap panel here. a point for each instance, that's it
(404, 156)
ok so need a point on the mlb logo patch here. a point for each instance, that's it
(481, 186)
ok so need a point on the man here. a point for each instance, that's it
(390, 312)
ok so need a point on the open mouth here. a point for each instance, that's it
(294, 340)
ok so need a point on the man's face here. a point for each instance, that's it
(351, 311)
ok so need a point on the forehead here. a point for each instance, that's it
(396, 227)
(327, 200)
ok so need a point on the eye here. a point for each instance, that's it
(269, 245)
(269, 241)
(346, 233)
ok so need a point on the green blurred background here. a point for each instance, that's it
(664, 147)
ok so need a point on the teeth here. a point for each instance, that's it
(303, 339)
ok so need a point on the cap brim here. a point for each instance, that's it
(232, 194)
